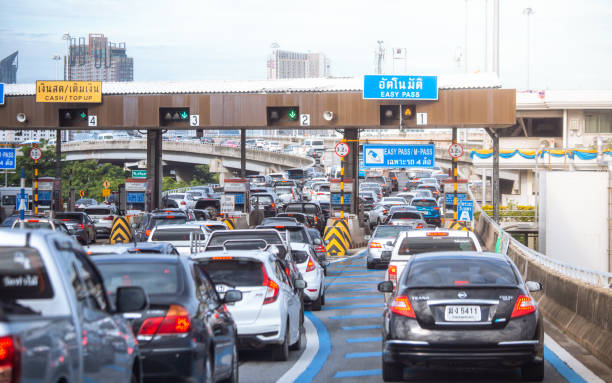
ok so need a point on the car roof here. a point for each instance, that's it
(138, 258)
(260, 255)
(451, 233)
(181, 226)
(459, 255)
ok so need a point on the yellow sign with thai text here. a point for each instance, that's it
(69, 91)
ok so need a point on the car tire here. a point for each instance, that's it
(94, 238)
(134, 378)
(323, 298)
(233, 378)
(298, 344)
(532, 372)
(392, 372)
(212, 211)
(369, 265)
(325, 271)
(281, 353)
(316, 305)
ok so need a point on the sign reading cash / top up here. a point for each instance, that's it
(398, 156)
(382, 87)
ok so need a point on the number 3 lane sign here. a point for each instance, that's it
(342, 149)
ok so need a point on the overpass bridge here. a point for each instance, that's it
(183, 156)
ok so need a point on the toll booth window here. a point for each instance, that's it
(9, 200)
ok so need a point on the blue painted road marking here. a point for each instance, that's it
(352, 307)
(352, 290)
(355, 355)
(352, 283)
(358, 328)
(373, 296)
(356, 316)
(356, 374)
(322, 355)
(561, 367)
(364, 340)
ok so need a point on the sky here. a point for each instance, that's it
(182, 40)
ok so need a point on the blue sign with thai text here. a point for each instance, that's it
(388, 87)
(335, 198)
(44, 195)
(7, 158)
(1, 93)
(135, 197)
(449, 198)
(399, 156)
(26, 200)
(465, 210)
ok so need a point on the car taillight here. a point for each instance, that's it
(10, 359)
(436, 208)
(273, 205)
(375, 245)
(311, 265)
(81, 226)
(320, 249)
(401, 306)
(316, 219)
(524, 305)
(272, 291)
(419, 226)
(392, 272)
(385, 211)
(147, 232)
(176, 321)
(109, 218)
(405, 188)
(183, 203)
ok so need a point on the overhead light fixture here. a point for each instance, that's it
(274, 115)
(388, 113)
(21, 117)
(328, 116)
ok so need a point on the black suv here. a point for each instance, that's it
(158, 217)
(80, 224)
(309, 208)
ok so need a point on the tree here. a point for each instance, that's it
(202, 176)
(169, 183)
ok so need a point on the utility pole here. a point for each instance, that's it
(380, 57)
(528, 12)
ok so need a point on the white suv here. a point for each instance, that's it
(409, 243)
(270, 312)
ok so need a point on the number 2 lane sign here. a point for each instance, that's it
(342, 149)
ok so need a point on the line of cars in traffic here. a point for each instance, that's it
(178, 303)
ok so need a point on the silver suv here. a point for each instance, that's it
(270, 312)
(381, 241)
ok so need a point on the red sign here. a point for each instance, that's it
(455, 150)
(35, 154)
(342, 149)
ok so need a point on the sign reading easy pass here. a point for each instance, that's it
(385, 87)
(7, 158)
(398, 156)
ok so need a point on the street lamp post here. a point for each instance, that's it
(528, 12)
(57, 58)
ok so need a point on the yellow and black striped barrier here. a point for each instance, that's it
(459, 225)
(336, 243)
(121, 231)
(229, 223)
(342, 224)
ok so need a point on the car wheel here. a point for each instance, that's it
(316, 305)
(325, 271)
(94, 238)
(392, 372)
(134, 378)
(369, 265)
(212, 211)
(233, 378)
(532, 372)
(282, 351)
(298, 344)
(323, 298)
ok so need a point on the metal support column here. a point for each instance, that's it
(58, 169)
(495, 176)
(351, 166)
(243, 153)
(154, 167)
(454, 171)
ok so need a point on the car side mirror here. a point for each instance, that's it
(385, 287)
(325, 263)
(533, 286)
(317, 241)
(232, 296)
(131, 298)
(300, 284)
(367, 237)
(273, 249)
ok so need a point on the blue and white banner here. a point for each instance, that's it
(385, 87)
(7, 158)
(398, 156)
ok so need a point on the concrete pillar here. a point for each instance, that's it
(154, 167)
(351, 165)
(58, 169)
(495, 176)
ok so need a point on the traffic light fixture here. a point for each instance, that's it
(76, 117)
(392, 115)
(177, 117)
(283, 115)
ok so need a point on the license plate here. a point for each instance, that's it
(462, 314)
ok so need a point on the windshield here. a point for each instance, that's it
(460, 272)
(306, 208)
(101, 211)
(33, 224)
(389, 231)
(262, 200)
(416, 245)
(423, 203)
(405, 215)
(72, 217)
(218, 238)
(257, 179)
(234, 273)
(154, 278)
(169, 220)
(283, 190)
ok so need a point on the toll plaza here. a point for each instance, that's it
(344, 104)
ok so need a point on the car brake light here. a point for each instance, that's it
(524, 305)
(176, 321)
(272, 291)
(392, 272)
(65, 220)
(279, 227)
(81, 226)
(437, 234)
(147, 232)
(183, 203)
(33, 220)
(273, 205)
(436, 208)
(10, 359)
(169, 217)
(405, 189)
(225, 258)
(109, 218)
(375, 245)
(419, 226)
(311, 265)
(401, 306)
(320, 249)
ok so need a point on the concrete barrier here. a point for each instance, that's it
(355, 232)
(580, 310)
(239, 221)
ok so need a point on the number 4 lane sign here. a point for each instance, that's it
(92, 121)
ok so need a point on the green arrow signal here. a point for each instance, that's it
(83, 115)
(292, 114)
(184, 115)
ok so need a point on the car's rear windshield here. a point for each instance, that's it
(460, 272)
(422, 175)
(23, 275)
(298, 217)
(374, 179)
(262, 200)
(34, 224)
(405, 215)
(234, 272)
(300, 256)
(100, 211)
(174, 234)
(295, 174)
(427, 187)
(155, 278)
(176, 196)
(296, 234)
(72, 217)
(388, 231)
(423, 202)
(169, 220)
(395, 199)
(283, 190)
(416, 245)
(306, 208)
(257, 179)
(218, 238)
(323, 188)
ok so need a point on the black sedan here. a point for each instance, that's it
(465, 308)
(187, 333)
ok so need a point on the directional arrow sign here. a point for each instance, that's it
(292, 114)
(83, 115)
(184, 115)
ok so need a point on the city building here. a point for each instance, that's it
(286, 64)
(97, 59)
(8, 68)
(17, 136)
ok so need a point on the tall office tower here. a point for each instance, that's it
(97, 59)
(8, 68)
(286, 64)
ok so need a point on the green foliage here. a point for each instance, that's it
(202, 176)
(169, 183)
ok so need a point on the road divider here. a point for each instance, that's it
(121, 231)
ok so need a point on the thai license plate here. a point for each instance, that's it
(462, 314)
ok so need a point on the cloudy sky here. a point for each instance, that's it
(571, 41)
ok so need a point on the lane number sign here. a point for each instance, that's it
(92, 121)
(342, 149)
(35, 154)
(194, 120)
(455, 150)
(304, 119)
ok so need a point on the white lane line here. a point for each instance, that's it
(572, 362)
(312, 347)
(361, 253)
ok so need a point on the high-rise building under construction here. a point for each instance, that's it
(97, 59)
